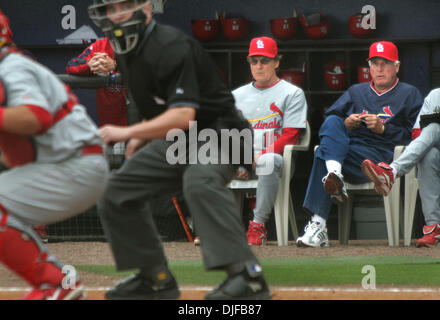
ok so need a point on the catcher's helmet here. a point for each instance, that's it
(124, 36)
(5, 30)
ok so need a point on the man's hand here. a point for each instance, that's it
(373, 123)
(132, 146)
(242, 174)
(353, 121)
(110, 133)
(101, 63)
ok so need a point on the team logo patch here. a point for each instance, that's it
(118, 33)
(257, 268)
(260, 44)
(388, 111)
(386, 115)
(274, 108)
(379, 47)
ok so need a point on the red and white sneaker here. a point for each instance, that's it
(381, 175)
(431, 236)
(57, 293)
(334, 186)
(256, 233)
(197, 241)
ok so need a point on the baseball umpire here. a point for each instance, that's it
(56, 167)
(173, 81)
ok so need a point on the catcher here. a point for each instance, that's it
(56, 167)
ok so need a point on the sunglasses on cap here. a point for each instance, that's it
(254, 61)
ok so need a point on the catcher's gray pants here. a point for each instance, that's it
(46, 193)
(126, 211)
(267, 187)
(425, 153)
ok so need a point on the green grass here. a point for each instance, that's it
(321, 271)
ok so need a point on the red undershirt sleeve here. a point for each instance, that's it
(288, 136)
(415, 133)
(43, 116)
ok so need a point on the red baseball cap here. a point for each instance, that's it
(384, 49)
(263, 46)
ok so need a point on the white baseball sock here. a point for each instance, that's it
(333, 166)
(319, 219)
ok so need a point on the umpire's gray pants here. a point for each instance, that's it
(425, 153)
(128, 221)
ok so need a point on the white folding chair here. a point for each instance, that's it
(411, 191)
(391, 203)
(283, 204)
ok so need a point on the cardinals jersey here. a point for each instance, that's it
(270, 110)
(111, 101)
(397, 109)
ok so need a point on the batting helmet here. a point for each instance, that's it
(355, 26)
(5, 30)
(317, 25)
(124, 36)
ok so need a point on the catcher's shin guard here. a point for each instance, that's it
(22, 252)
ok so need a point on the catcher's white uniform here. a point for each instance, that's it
(60, 182)
(54, 174)
(270, 110)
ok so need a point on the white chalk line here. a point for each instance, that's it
(286, 289)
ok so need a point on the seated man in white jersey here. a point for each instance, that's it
(423, 151)
(277, 111)
(366, 122)
(56, 168)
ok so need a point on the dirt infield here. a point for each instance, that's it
(98, 253)
(312, 293)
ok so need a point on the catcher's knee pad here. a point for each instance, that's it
(21, 251)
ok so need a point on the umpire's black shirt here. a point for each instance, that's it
(169, 69)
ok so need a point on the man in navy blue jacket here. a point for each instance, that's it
(366, 122)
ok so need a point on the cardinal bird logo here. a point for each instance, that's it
(387, 114)
(388, 111)
(274, 108)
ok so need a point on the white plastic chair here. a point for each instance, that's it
(411, 191)
(283, 204)
(391, 203)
